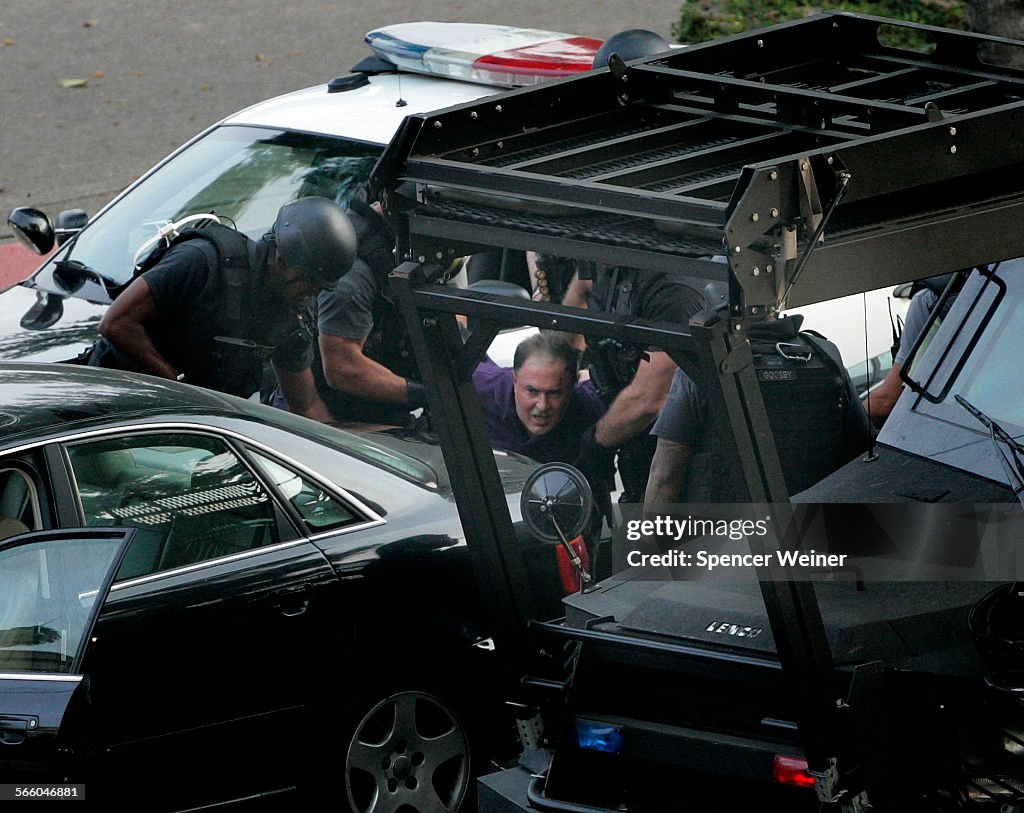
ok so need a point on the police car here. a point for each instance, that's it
(322, 140)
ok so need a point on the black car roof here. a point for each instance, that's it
(39, 398)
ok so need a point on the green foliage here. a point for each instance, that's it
(701, 20)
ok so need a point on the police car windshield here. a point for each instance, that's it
(243, 174)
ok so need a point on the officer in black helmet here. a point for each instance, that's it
(366, 370)
(216, 305)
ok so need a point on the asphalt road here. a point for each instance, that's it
(155, 73)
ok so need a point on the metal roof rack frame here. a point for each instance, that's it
(793, 151)
(819, 160)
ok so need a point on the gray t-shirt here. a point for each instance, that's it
(917, 315)
(356, 309)
(347, 311)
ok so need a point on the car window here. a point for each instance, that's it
(242, 174)
(988, 378)
(356, 444)
(19, 503)
(47, 590)
(189, 496)
(319, 510)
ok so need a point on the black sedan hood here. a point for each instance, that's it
(512, 468)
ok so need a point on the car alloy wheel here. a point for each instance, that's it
(409, 752)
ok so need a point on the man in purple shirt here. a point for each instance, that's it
(538, 408)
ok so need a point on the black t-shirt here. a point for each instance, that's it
(192, 322)
(654, 295)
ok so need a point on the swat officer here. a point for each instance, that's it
(633, 381)
(216, 305)
(817, 420)
(367, 371)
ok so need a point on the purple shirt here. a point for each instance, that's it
(505, 430)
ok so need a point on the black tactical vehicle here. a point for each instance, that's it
(821, 160)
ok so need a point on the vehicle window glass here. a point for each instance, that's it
(989, 378)
(318, 509)
(358, 445)
(189, 496)
(47, 590)
(243, 174)
(19, 503)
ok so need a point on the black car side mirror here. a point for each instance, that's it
(69, 223)
(33, 229)
(46, 312)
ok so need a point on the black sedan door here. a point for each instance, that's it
(52, 585)
(220, 628)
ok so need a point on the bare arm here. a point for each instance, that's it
(636, 407)
(576, 293)
(299, 390)
(576, 297)
(348, 370)
(668, 476)
(124, 326)
(881, 400)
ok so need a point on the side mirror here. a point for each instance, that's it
(45, 313)
(33, 229)
(69, 223)
(557, 504)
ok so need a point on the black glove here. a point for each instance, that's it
(415, 394)
(597, 462)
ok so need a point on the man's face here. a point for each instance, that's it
(542, 389)
(293, 286)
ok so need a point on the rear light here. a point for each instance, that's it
(599, 736)
(791, 771)
(567, 571)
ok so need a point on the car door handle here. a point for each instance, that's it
(292, 600)
(14, 729)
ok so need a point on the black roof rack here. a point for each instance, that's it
(792, 150)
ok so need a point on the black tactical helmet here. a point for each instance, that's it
(315, 236)
(632, 43)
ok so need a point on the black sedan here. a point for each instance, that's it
(203, 598)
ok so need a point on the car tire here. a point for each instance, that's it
(407, 745)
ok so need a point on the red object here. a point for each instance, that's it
(791, 771)
(567, 571)
(547, 59)
(16, 264)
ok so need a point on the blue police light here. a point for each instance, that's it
(599, 736)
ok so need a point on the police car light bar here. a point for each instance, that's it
(487, 54)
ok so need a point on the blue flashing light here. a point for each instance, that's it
(599, 736)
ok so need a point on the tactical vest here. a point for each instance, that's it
(808, 402)
(612, 363)
(243, 343)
